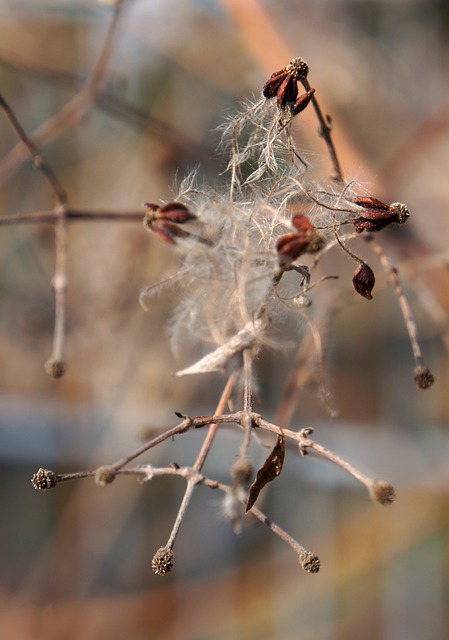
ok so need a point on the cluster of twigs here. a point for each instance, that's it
(259, 229)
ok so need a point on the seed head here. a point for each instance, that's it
(382, 492)
(423, 378)
(55, 368)
(298, 68)
(163, 561)
(309, 562)
(44, 479)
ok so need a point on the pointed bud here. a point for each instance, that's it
(363, 280)
(302, 102)
(302, 222)
(378, 215)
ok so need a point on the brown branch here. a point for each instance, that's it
(87, 215)
(76, 109)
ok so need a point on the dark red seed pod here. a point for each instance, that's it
(364, 280)
(302, 222)
(168, 232)
(175, 212)
(272, 85)
(290, 247)
(287, 92)
(302, 102)
(370, 203)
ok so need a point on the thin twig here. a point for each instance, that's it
(423, 377)
(326, 133)
(76, 109)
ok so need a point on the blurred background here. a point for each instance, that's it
(76, 562)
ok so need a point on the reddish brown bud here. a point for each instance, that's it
(363, 280)
(378, 215)
(272, 85)
(168, 232)
(302, 102)
(302, 222)
(370, 203)
(284, 85)
(287, 92)
(292, 245)
(175, 212)
(170, 212)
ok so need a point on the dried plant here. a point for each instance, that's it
(239, 284)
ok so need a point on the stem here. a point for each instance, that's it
(199, 462)
(409, 320)
(247, 403)
(325, 132)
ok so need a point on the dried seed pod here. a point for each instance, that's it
(270, 470)
(382, 492)
(423, 378)
(44, 479)
(377, 214)
(284, 83)
(287, 92)
(292, 245)
(309, 562)
(163, 561)
(302, 102)
(168, 232)
(364, 280)
(302, 222)
(174, 212)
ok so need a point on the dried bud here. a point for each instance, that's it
(302, 102)
(284, 83)
(292, 245)
(168, 232)
(363, 280)
(105, 475)
(44, 479)
(163, 561)
(309, 562)
(302, 223)
(378, 215)
(55, 369)
(423, 378)
(382, 492)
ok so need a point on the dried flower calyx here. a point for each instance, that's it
(44, 479)
(423, 378)
(164, 220)
(284, 85)
(291, 246)
(364, 280)
(163, 561)
(376, 214)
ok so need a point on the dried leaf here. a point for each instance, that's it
(270, 469)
